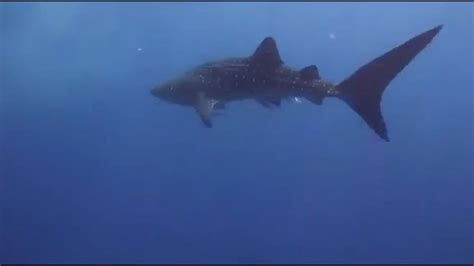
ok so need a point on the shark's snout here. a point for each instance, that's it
(165, 92)
(161, 92)
(155, 91)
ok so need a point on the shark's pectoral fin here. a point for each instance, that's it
(204, 107)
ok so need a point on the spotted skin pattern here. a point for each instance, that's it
(265, 78)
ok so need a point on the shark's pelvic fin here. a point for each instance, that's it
(274, 100)
(269, 102)
(310, 72)
(266, 57)
(204, 107)
(263, 103)
(315, 98)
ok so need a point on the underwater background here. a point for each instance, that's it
(95, 169)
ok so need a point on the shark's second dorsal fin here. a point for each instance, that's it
(267, 56)
(310, 72)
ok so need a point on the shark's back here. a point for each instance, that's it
(220, 67)
(224, 79)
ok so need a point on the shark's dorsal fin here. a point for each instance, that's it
(310, 72)
(267, 56)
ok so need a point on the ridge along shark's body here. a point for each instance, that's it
(264, 78)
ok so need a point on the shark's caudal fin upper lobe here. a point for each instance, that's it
(362, 91)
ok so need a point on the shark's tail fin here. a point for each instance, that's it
(363, 90)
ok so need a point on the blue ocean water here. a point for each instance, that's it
(96, 169)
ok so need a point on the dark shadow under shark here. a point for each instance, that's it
(264, 78)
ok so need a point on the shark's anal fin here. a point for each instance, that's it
(266, 57)
(310, 72)
(204, 107)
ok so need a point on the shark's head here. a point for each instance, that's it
(175, 91)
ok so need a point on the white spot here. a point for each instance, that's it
(139, 49)
(297, 100)
(332, 36)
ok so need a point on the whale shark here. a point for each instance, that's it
(265, 78)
